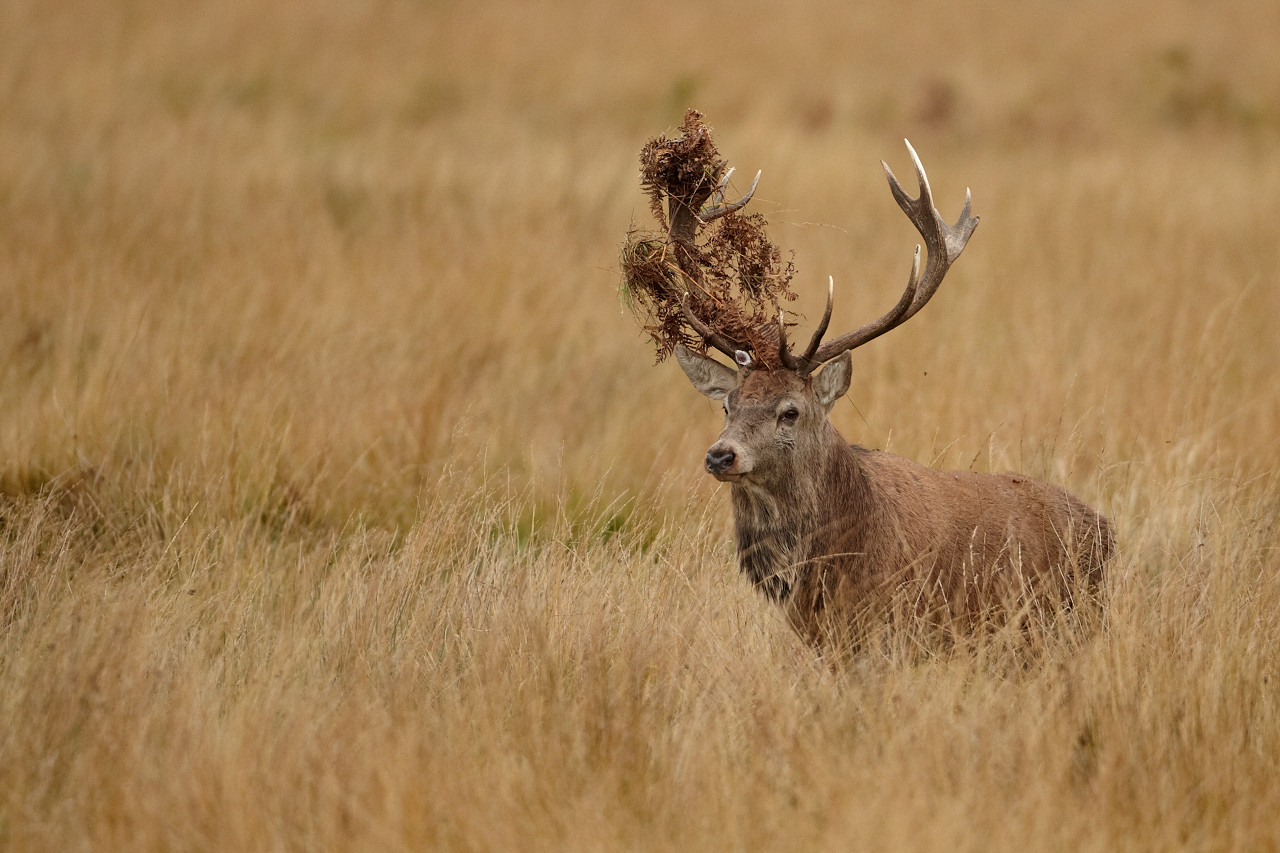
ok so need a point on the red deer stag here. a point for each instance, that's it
(832, 531)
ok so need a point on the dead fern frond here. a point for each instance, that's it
(735, 277)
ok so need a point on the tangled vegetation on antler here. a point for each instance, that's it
(734, 276)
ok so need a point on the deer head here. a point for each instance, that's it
(772, 417)
(776, 418)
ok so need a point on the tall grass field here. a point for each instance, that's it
(343, 507)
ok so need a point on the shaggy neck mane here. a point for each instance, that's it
(818, 507)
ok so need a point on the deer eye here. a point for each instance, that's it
(789, 416)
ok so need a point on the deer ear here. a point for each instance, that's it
(707, 375)
(833, 381)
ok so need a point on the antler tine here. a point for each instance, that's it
(804, 363)
(717, 208)
(925, 200)
(711, 336)
(717, 195)
(822, 325)
(789, 361)
(944, 244)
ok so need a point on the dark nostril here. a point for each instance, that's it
(719, 461)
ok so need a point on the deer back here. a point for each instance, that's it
(955, 544)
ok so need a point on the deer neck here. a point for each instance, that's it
(782, 526)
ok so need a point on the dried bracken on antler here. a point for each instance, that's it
(711, 276)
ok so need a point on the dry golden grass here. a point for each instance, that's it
(341, 506)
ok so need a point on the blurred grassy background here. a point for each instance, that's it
(342, 506)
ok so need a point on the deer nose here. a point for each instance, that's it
(719, 461)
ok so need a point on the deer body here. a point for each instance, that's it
(832, 531)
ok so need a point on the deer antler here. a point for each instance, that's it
(944, 244)
(684, 227)
(711, 276)
(710, 335)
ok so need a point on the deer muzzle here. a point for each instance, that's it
(720, 459)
